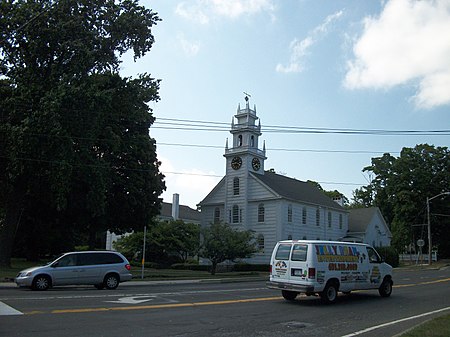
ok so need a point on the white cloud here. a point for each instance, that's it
(190, 48)
(300, 49)
(192, 185)
(194, 13)
(201, 11)
(410, 40)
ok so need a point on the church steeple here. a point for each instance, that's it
(244, 152)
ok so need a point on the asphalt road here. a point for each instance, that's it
(221, 309)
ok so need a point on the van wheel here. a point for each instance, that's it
(329, 294)
(41, 282)
(385, 289)
(289, 295)
(111, 281)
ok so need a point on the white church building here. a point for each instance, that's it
(274, 206)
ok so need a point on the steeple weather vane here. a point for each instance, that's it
(247, 96)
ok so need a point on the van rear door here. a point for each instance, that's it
(298, 266)
(281, 263)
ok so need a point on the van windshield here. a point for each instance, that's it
(283, 252)
(299, 252)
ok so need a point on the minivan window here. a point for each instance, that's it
(108, 258)
(299, 252)
(89, 259)
(67, 261)
(283, 252)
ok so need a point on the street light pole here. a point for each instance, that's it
(429, 224)
(429, 231)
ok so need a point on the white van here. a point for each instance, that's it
(326, 267)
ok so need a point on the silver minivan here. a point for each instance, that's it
(103, 269)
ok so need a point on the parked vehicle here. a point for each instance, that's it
(327, 267)
(103, 269)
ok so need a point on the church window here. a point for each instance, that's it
(236, 186)
(252, 141)
(318, 217)
(235, 214)
(217, 215)
(289, 213)
(261, 212)
(240, 140)
(260, 241)
(304, 214)
(289, 237)
(329, 219)
(340, 221)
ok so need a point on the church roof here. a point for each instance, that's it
(359, 218)
(297, 190)
(185, 212)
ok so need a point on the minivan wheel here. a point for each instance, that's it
(41, 282)
(385, 289)
(329, 294)
(111, 281)
(289, 295)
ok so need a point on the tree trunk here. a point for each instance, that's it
(213, 268)
(8, 229)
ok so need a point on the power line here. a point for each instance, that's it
(65, 163)
(219, 176)
(103, 139)
(283, 149)
(198, 125)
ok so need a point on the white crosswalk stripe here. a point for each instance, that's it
(6, 310)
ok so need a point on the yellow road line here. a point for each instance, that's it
(194, 304)
(421, 283)
(157, 306)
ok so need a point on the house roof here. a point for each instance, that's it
(297, 190)
(186, 213)
(359, 218)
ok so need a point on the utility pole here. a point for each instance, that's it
(429, 223)
(143, 253)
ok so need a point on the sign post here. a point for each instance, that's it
(143, 253)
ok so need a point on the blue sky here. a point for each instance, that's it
(346, 64)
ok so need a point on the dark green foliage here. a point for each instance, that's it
(222, 243)
(400, 187)
(390, 255)
(166, 243)
(76, 156)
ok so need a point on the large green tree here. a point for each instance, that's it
(400, 188)
(221, 242)
(76, 155)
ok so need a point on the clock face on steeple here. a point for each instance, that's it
(256, 164)
(236, 163)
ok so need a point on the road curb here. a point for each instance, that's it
(8, 285)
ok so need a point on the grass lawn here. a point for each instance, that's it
(8, 274)
(437, 327)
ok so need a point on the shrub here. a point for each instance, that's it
(251, 267)
(389, 255)
(188, 266)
